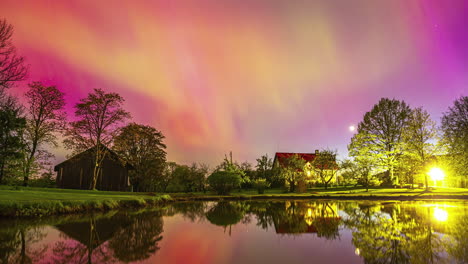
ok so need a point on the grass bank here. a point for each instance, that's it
(24, 201)
(30, 201)
(354, 193)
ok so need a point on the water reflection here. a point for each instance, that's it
(380, 232)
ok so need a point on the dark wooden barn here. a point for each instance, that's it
(77, 172)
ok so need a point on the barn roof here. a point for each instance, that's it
(281, 156)
(89, 151)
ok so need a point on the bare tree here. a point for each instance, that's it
(99, 117)
(45, 118)
(12, 68)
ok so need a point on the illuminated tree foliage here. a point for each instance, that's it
(292, 170)
(455, 136)
(12, 68)
(99, 116)
(419, 136)
(383, 127)
(45, 118)
(325, 166)
(366, 157)
(142, 146)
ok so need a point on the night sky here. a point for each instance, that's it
(253, 77)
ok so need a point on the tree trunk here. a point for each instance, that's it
(2, 170)
(393, 177)
(95, 177)
(427, 182)
(326, 185)
(291, 186)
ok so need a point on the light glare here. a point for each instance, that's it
(437, 174)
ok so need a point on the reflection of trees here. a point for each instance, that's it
(225, 214)
(394, 234)
(457, 243)
(108, 239)
(295, 217)
(189, 210)
(16, 245)
(138, 240)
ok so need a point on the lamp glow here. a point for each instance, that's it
(436, 174)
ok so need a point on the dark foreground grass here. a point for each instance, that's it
(21, 201)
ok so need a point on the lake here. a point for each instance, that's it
(317, 231)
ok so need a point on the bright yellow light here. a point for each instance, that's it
(440, 214)
(309, 212)
(357, 251)
(308, 173)
(352, 128)
(436, 174)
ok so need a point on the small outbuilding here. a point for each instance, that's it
(77, 172)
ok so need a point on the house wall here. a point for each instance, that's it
(78, 173)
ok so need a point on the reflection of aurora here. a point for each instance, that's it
(382, 232)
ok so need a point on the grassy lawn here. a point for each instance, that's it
(28, 201)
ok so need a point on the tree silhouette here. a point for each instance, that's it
(98, 118)
(12, 68)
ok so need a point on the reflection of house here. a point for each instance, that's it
(91, 233)
(301, 218)
(77, 172)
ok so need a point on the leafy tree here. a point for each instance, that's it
(185, 178)
(98, 118)
(349, 172)
(419, 134)
(248, 174)
(231, 166)
(142, 146)
(166, 176)
(366, 156)
(261, 185)
(292, 170)
(325, 166)
(265, 170)
(12, 68)
(45, 117)
(12, 124)
(199, 173)
(410, 168)
(223, 182)
(455, 135)
(385, 124)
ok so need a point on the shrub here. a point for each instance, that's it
(224, 181)
(261, 185)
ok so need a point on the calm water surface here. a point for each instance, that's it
(247, 232)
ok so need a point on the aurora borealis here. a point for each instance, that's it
(254, 76)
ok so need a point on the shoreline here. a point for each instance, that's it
(89, 201)
(320, 197)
